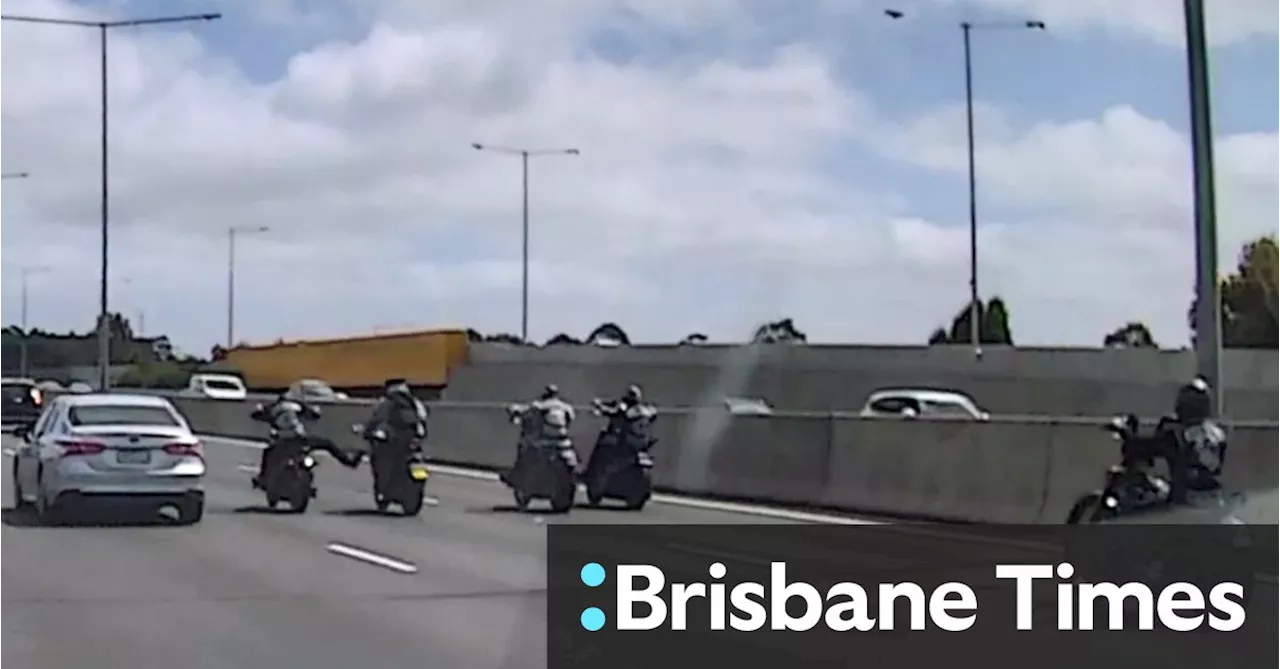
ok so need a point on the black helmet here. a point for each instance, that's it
(633, 394)
(550, 392)
(1194, 402)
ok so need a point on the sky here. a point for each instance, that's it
(740, 161)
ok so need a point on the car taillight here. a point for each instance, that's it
(184, 449)
(72, 447)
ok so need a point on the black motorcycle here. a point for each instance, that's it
(541, 471)
(400, 475)
(290, 476)
(620, 468)
(1128, 487)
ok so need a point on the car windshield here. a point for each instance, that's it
(895, 405)
(316, 388)
(121, 414)
(222, 384)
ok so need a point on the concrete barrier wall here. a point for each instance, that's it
(1006, 381)
(1004, 471)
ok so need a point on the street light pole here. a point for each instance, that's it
(1208, 318)
(525, 154)
(231, 277)
(103, 27)
(966, 30)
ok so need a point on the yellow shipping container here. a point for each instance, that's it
(423, 358)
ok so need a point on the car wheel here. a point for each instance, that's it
(46, 512)
(20, 502)
(191, 513)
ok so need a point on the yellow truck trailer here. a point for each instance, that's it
(355, 365)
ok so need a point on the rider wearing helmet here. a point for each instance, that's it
(1197, 447)
(397, 425)
(628, 416)
(287, 416)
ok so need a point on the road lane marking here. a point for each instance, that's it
(247, 468)
(10, 451)
(372, 558)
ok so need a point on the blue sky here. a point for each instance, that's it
(886, 185)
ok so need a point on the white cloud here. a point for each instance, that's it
(699, 203)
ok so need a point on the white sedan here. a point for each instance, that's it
(97, 451)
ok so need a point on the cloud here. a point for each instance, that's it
(714, 191)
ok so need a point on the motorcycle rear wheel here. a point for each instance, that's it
(1085, 509)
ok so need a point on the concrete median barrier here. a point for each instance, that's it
(1026, 470)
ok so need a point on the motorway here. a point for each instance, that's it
(464, 587)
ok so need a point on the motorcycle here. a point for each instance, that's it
(290, 476)
(402, 482)
(624, 473)
(1127, 487)
(541, 471)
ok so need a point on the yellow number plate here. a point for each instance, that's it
(418, 473)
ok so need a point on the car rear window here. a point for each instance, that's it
(222, 384)
(17, 390)
(89, 416)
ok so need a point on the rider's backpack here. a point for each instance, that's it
(404, 413)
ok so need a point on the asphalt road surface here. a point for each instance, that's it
(462, 586)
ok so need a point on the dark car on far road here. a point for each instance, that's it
(23, 400)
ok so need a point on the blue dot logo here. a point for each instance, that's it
(592, 619)
(592, 574)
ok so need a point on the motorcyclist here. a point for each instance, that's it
(287, 416)
(1195, 446)
(628, 417)
(398, 424)
(546, 421)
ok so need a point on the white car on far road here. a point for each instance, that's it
(91, 452)
(217, 386)
(922, 403)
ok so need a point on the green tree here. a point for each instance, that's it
(782, 331)
(993, 325)
(1249, 299)
(1130, 335)
(609, 331)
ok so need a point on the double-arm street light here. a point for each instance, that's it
(232, 232)
(966, 30)
(525, 154)
(103, 28)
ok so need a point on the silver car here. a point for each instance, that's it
(87, 452)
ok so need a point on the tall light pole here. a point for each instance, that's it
(1208, 318)
(24, 355)
(231, 275)
(103, 28)
(525, 154)
(966, 31)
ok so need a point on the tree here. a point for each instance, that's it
(608, 332)
(776, 332)
(562, 339)
(695, 339)
(1130, 335)
(993, 325)
(1249, 298)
